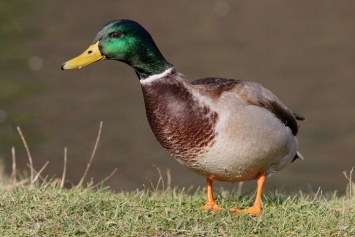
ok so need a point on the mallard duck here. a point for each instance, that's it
(223, 129)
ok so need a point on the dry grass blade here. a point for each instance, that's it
(160, 179)
(15, 185)
(351, 183)
(105, 179)
(168, 175)
(92, 156)
(27, 151)
(13, 156)
(64, 169)
(39, 173)
(240, 187)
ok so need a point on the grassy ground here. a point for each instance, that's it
(49, 210)
(32, 206)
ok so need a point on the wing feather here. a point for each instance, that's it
(251, 93)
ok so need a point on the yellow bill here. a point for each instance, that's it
(91, 55)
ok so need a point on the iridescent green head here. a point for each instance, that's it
(125, 41)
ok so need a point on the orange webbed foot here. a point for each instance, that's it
(211, 203)
(212, 206)
(252, 211)
(256, 208)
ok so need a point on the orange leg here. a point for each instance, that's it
(256, 208)
(211, 203)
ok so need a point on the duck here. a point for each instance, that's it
(223, 129)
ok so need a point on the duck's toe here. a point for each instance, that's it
(211, 206)
(254, 210)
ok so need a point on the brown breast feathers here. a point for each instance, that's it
(182, 125)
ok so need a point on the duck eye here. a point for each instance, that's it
(115, 35)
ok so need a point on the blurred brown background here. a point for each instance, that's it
(303, 51)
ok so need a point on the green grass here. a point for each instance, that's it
(50, 211)
(34, 207)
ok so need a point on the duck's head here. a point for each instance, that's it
(125, 41)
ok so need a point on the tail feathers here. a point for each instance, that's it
(297, 156)
(299, 117)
